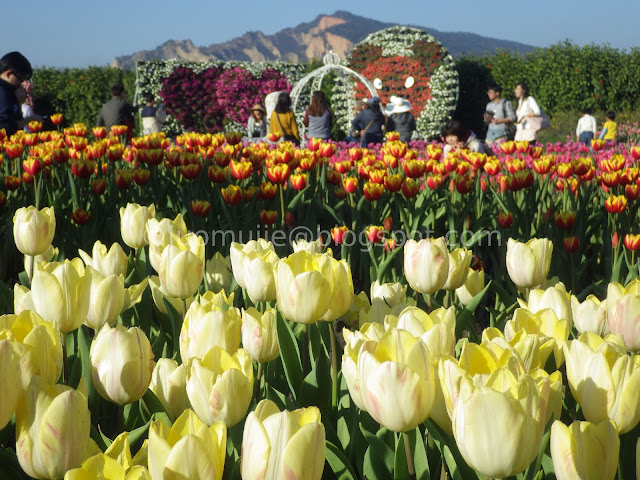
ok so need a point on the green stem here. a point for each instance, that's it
(409, 454)
(334, 368)
(257, 383)
(35, 190)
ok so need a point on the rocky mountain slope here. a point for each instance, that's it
(338, 31)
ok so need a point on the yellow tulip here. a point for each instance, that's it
(279, 445)
(207, 324)
(437, 329)
(590, 315)
(33, 229)
(528, 263)
(38, 345)
(312, 247)
(61, 293)
(160, 233)
(11, 381)
(426, 264)
(533, 350)
(604, 380)
(107, 262)
(216, 300)
(182, 266)
(52, 429)
(253, 267)
(342, 293)
(584, 450)
(353, 344)
(390, 294)
(217, 272)
(544, 323)
(397, 381)
(473, 285)
(305, 286)
(504, 442)
(106, 299)
(220, 386)
(169, 384)
(459, 261)
(121, 363)
(352, 315)
(187, 450)
(556, 298)
(623, 313)
(133, 220)
(259, 336)
(103, 467)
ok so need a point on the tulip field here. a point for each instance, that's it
(210, 308)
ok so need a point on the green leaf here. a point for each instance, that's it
(452, 456)
(289, 354)
(339, 463)
(175, 321)
(464, 319)
(379, 459)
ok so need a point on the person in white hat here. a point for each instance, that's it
(400, 119)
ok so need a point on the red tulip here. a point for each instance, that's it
(372, 191)
(505, 219)
(200, 208)
(410, 188)
(267, 190)
(565, 220)
(393, 182)
(616, 204)
(57, 118)
(375, 233)
(80, 216)
(571, 244)
(298, 180)
(279, 173)
(232, 194)
(32, 166)
(268, 217)
(141, 176)
(98, 186)
(12, 182)
(241, 170)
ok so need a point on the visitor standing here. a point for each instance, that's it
(318, 118)
(400, 119)
(116, 111)
(370, 122)
(14, 69)
(586, 128)
(152, 117)
(527, 107)
(257, 125)
(283, 120)
(499, 116)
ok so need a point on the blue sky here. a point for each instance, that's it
(75, 33)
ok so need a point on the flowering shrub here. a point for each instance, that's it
(206, 96)
(393, 55)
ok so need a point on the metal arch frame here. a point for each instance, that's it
(318, 75)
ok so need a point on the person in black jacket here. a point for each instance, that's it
(370, 122)
(400, 119)
(14, 69)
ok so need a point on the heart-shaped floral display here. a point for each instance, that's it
(208, 100)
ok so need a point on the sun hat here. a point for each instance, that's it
(397, 105)
(257, 107)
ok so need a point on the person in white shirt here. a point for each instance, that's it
(586, 127)
(527, 107)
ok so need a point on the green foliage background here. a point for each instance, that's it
(563, 78)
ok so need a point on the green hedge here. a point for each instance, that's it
(78, 93)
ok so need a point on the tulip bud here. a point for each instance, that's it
(426, 264)
(121, 363)
(56, 281)
(283, 444)
(181, 266)
(217, 273)
(33, 229)
(473, 285)
(220, 386)
(590, 315)
(528, 263)
(12, 383)
(253, 267)
(459, 262)
(259, 334)
(188, 449)
(52, 429)
(169, 384)
(133, 220)
(208, 324)
(585, 450)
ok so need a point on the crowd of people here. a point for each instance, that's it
(503, 121)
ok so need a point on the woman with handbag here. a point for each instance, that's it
(528, 114)
(283, 120)
(370, 123)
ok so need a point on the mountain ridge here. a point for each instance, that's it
(339, 32)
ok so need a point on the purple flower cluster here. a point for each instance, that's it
(205, 101)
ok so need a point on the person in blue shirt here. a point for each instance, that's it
(14, 69)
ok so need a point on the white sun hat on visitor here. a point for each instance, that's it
(397, 105)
